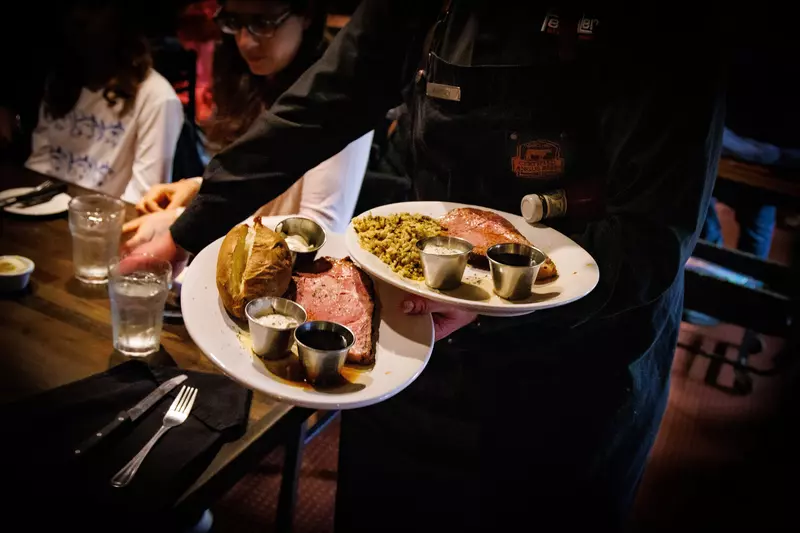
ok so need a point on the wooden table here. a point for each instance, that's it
(781, 187)
(59, 331)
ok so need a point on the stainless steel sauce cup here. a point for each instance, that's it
(313, 233)
(322, 365)
(442, 271)
(269, 342)
(514, 282)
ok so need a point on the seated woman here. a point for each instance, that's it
(108, 121)
(266, 46)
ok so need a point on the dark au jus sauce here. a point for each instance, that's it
(510, 259)
(291, 371)
(322, 340)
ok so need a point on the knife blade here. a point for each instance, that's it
(131, 414)
(38, 200)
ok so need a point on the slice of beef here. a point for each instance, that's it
(484, 229)
(337, 290)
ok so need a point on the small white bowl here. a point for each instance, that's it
(17, 279)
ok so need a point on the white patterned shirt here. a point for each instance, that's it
(92, 146)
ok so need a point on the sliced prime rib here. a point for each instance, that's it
(483, 229)
(337, 290)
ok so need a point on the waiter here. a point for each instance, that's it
(540, 422)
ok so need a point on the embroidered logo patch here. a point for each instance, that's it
(538, 159)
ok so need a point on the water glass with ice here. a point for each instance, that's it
(138, 285)
(95, 221)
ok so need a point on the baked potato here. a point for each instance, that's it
(253, 261)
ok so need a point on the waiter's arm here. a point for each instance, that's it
(662, 135)
(337, 100)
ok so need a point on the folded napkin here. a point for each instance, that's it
(49, 485)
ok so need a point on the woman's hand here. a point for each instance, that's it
(163, 247)
(446, 318)
(147, 227)
(168, 196)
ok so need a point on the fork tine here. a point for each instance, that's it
(177, 399)
(188, 406)
(180, 406)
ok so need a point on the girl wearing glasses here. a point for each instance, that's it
(265, 47)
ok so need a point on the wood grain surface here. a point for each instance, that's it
(59, 330)
(784, 182)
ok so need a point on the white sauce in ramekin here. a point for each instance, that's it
(276, 321)
(441, 250)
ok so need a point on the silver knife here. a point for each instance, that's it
(131, 414)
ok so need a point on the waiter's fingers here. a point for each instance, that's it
(446, 318)
(445, 324)
(417, 305)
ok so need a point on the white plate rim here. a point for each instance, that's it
(59, 203)
(487, 309)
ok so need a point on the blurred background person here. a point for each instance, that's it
(763, 111)
(266, 45)
(108, 121)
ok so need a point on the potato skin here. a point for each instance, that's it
(267, 271)
(227, 284)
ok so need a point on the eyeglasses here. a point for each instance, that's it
(257, 25)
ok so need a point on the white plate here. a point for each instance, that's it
(403, 348)
(56, 205)
(578, 272)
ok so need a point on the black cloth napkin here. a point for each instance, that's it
(49, 485)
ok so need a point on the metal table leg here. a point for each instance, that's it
(292, 460)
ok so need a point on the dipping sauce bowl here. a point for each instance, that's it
(15, 272)
(271, 342)
(322, 348)
(514, 269)
(443, 261)
(309, 231)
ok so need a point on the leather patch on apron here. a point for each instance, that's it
(537, 159)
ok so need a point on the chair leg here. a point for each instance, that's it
(293, 458)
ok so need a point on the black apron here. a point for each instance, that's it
(547, 427)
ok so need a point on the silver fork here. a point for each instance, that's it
(42, 186)
(176, 415)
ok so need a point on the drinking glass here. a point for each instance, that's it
(138, 287)
(95, 222)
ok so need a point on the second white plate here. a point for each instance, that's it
(578, 271)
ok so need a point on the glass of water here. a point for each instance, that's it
(138, 285)
(95, 222)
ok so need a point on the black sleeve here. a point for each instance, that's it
(660, 131)
(337, 100)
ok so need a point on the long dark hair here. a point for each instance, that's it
(131, 64)
(239, 95)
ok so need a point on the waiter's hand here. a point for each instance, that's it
(146, 228)
(163, 247)
(168, 196)
(446, 318)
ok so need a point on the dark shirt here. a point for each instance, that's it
(659, 123)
